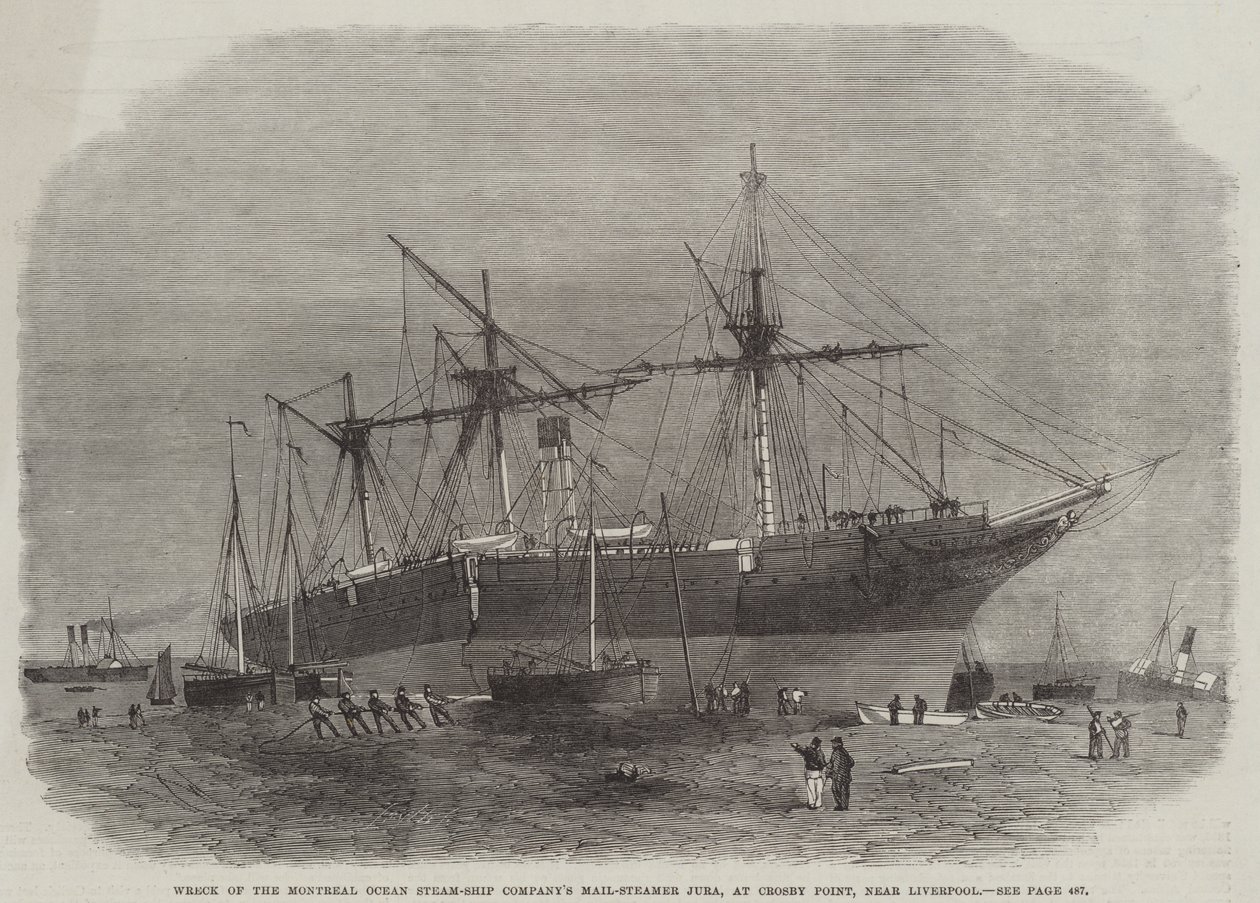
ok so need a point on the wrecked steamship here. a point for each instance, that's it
(442, 575)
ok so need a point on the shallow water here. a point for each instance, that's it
(515, 783)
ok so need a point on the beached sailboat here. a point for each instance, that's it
(1146, 680)
(542, 676)
(855, 602)
(162, 690)
(1061, 677)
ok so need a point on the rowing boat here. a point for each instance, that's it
(1039, 710)
(874, 714)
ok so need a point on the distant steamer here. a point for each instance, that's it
(110, 662)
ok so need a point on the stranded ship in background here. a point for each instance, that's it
(448, 542)
(111, 661)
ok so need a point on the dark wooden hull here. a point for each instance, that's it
(627, 684)
(1067, 692)
(1152, 688)
(842, 614)
(968, 688)
(63, 675)
(214, 691)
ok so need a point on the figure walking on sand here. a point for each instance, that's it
(1182, 715)
(798, 700)
(815, 770)
(840, 770)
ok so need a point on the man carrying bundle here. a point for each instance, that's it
(1122, 726)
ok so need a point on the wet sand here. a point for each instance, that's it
(513, 783)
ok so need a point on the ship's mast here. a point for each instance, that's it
(756, 332)
(356, 440)
(233, 549)
(591, 634)
(496, 423)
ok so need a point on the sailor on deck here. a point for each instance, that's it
(1182, 715)
(321, 718)
(352, 713)
(381, 709)
(894, 708)
(437, 706)
(407, 709)
(815, 770)
(840, 770)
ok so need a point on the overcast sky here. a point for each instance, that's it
(228, 239)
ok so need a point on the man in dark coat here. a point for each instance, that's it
(745, 699)
(894, 708)
(1096, 733)
(352, 713)
(840, 770)
(437, 706)
(710, 698)
(1182, 715)
(785, 701)
(1122, 725)
(815, 770)
(321, 718)
(919, 709)
(407, 709)
(380, 710)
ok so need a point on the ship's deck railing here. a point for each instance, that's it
(882, 517)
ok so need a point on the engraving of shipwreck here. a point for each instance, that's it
(508, 461)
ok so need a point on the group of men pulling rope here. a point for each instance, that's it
(403, 706)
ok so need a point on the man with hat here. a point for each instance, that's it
(1096, 733)
(406, 708)
(321, 718)
(815, 770)
(894, 707)
(437, 706)
(1182, 715)
(1122, 726)
(352, 713)
(919, 709)
(840, 770)
(381, 709)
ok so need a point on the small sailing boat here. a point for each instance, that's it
(1061, 678)
(162, 689)
(1144, 680)
(604, 676)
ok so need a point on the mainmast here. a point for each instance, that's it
(491, 333)
(233, 562)
(356, 441)
(756, 331)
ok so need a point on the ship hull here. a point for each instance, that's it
(63, 675)
(230, 690)
(629, 685)
(840, 613)
(1150, 688)
(1064, 692)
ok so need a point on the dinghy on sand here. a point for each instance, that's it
(1039, 710)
